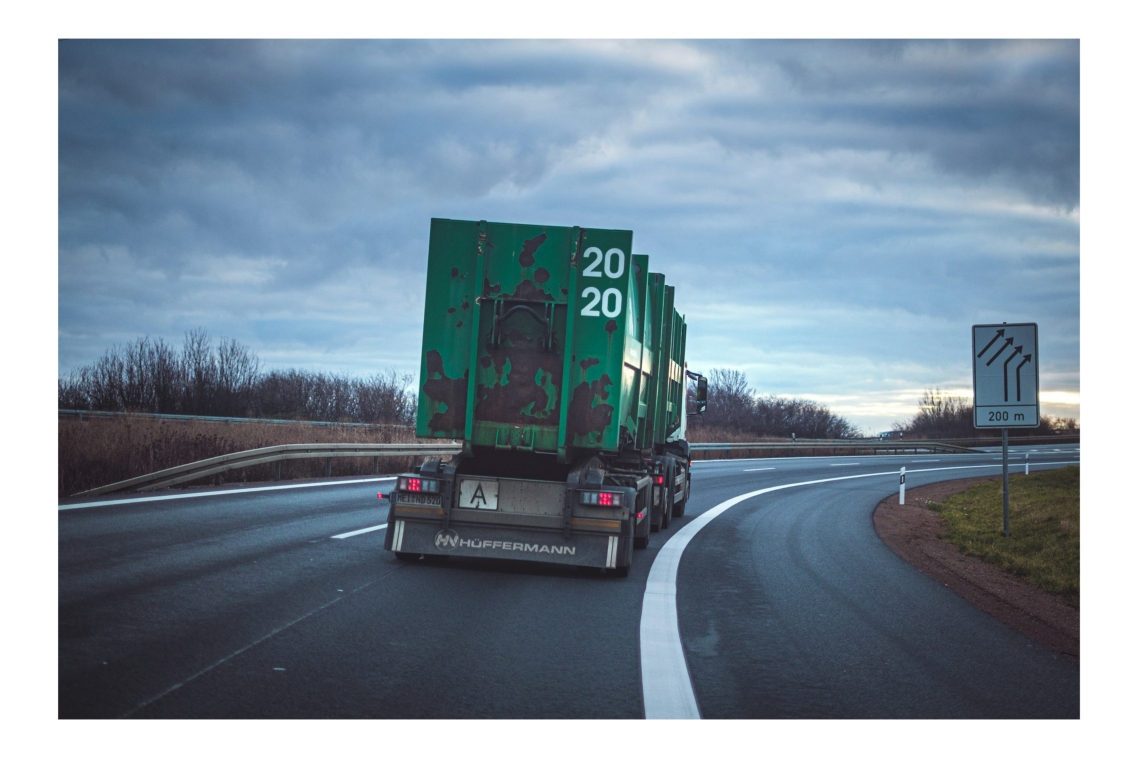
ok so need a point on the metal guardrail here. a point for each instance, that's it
(271, 454)
(277, 454)
(81, 413)
(863, 444)
(1014, 439)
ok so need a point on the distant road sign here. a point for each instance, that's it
(1006, 376)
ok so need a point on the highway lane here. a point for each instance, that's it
(174, 595)
(248, 606)
(151, 592)
(820, 619)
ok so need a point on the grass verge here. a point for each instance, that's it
(1044, 547)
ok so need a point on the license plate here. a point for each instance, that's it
(421, 499)
(479, 494)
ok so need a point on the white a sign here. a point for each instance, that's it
(1006, 379)
(478, 494)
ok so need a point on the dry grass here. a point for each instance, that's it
(98, 451)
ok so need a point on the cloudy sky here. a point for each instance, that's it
(835, 215)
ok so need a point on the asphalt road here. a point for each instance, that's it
(245, 604)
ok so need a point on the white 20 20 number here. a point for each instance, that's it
(612, 261)
(610, 302)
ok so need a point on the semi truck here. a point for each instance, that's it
(557, 358)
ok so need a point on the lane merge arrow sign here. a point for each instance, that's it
(998, 402)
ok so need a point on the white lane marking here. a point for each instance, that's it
(759, 469)
(666, 689)
(845, 464)
(350, 534)
(108, 503)
(923, 461)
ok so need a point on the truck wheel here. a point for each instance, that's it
(622, 572)
(667, 507)
(644, 503)
(407, 556)
(679, 506)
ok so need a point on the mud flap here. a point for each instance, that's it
(495, 542)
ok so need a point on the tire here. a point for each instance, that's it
(679, 506)
(622, 572)
(667, 507)
(407, 556)
(644, 500)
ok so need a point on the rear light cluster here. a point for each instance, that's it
(658, 479)
(417, 485)
(601, 498)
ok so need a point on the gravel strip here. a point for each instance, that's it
(912, 531)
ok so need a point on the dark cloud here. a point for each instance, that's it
(978, 108)
(279, 192)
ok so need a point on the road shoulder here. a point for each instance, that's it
(912, 530)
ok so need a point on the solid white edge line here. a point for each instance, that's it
(666, 688)
(110, 502)
(350, 534)
(758, 469)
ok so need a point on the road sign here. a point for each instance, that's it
(1006, 376)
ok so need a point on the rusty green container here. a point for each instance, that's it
(547, 339)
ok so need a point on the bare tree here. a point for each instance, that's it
(730, 401)
(941, 415)
(200, 373)
(733, 405)
(385, 397)
(237, 372)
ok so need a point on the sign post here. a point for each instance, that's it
(1005, 481)
(1006, 383)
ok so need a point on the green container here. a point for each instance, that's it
(547, 339)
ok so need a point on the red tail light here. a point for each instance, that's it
(600, 499)
(658, 479)
(417, 485)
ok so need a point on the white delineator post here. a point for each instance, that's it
(1027, 463)
(902, 485)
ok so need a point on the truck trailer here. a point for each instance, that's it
(558, 359)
